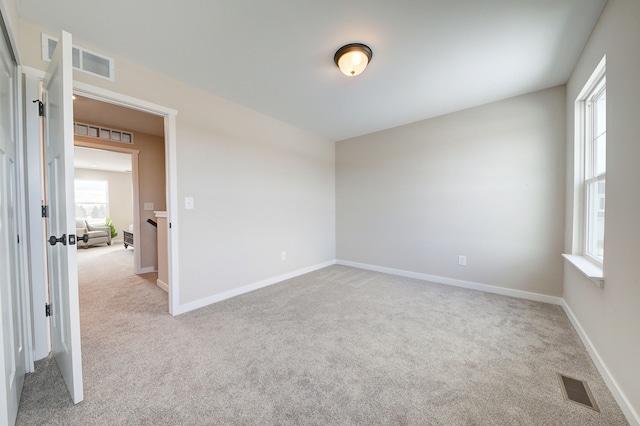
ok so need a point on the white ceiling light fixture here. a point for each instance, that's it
(353, 58)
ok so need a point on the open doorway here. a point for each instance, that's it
(136, 112)
(105, 132)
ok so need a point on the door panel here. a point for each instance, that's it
(63, 275)
(12, 357)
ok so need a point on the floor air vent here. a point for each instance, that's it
(577, 391)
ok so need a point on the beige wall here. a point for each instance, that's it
(151, 177)
(610, 316)
(260, 186)
(487, 183)
(120, 196)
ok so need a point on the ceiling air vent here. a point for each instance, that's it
(83, 59)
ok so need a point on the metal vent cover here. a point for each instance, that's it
(83, 59)
(577, 391)
(89, 130)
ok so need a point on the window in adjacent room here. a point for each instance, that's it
(92, 200)
(592, 111)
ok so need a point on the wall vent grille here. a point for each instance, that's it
(99, 132)
(83, 60)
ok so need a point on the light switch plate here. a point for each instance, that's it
(188, 203)
(148, 206)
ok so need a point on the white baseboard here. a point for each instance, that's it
(147, 270)
(162, 285)
(458, 283)
(181, 309)
(632, 417)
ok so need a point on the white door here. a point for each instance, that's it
(63, 274)
(12, 356)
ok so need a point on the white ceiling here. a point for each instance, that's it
(430, 57)
(96, 159)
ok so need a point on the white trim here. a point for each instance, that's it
(33, 72)
(537, 297)
(181, 309)
(135, 177)
(599, 72)
(100, 94)
(577, 217)
(22, 219)
(159, 282)
(39, 284)
(589, 269)
(632, 417)
(162, 285)
(147, 270)
(171, 167)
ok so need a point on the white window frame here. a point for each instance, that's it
(593, 178)
(584, 161)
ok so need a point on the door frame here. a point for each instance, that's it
(171, 167)
(9, 402)
(32, 134)
(171, 185)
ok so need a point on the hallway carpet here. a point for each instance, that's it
(339, 346)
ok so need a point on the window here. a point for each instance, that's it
(592, 111)
(92, 200)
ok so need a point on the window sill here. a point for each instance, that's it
(588, 268)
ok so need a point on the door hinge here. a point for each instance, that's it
(45, 211)
(40, 107)
(47, 309)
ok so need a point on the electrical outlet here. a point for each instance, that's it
(462, 260)
(283, 256)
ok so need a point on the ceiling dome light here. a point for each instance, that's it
(353, 58)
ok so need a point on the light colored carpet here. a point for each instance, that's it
(338, 346)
